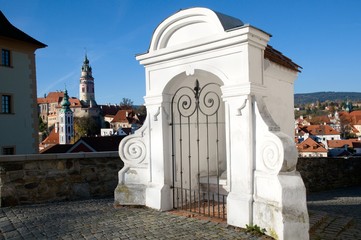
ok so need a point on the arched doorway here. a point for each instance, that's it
(198, 148)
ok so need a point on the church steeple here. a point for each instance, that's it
(66, 120)
(65, 104)
(86, 88)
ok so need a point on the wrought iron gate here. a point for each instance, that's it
(198, 155)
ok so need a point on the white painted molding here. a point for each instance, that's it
(239, 113)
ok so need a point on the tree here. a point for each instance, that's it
(42, 126)
(345, 126)
(85, 126)
(141, 110)
(126, 103)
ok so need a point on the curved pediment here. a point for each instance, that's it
(189, 25)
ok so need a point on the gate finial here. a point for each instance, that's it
(196, 90)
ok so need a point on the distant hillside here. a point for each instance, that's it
(302, 98)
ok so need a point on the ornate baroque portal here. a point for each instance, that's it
(218, 129)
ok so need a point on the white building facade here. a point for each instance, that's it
(18, 94)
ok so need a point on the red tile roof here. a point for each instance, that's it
(52, 97)
(355, 113)
(52, 139)
(309, 145)
(277, 57)
(341, 143)
(57, 97)
(316, 120)
(320, 130)
(125, 116)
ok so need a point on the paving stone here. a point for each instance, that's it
(98, 219)
(330, 218)
(335, 214)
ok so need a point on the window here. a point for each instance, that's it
(5, 57)
(8, 150)
(6, 104)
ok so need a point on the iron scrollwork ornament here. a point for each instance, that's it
(205, 99)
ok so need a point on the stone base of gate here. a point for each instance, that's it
(239, 209)
(130, 194)
(159, 197)
(280, 205)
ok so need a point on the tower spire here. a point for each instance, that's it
(86, 86)
(65, 120)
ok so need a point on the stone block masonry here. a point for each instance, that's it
(29, 179)
(320, 174)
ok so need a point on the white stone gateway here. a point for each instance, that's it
(219, 127)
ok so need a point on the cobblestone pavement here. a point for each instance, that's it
(98, 219)
(335, 214)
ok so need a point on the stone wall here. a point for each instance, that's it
(27, 179)
(321, 174)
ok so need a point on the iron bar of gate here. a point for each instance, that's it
(185, 199)
(213, 204)
(224, 207)
(181, 155)
(204, 208)
(173, 157)
(198, 157)
(217, 161)
(195, 200)
(208, 172)
(177, 198)
(189, 163)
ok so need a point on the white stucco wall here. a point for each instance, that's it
(19, 127)
(279, 82)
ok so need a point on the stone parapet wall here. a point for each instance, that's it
(28, 179)
(321, 174)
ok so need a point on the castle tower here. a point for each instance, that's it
(86, 87)
(65, 121)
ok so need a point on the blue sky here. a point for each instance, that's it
(324, 37)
